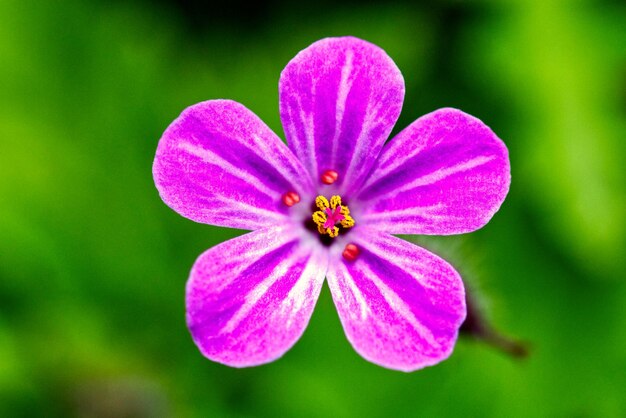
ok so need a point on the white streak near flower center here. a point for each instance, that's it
(398, 158)
(261, 289)
(345, 85)
(280, 150)
(307, 157)
(220, 205)
(382, 246)
(212, 158)
(301, 292)
(371, 116)
(309, 127)
(292, 133)
(356, 292)
(256, 248)
(399, 306)
(424, 212)
(407, 216)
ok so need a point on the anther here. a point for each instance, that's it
(291, 198)
(321, 202)
(329, 176)
(351, 252)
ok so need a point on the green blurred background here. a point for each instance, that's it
(93, 265)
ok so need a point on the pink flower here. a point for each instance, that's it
(325, 207)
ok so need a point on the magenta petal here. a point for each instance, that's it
(249, 299)
(401, 306)
(446, 173)
(219, 164)
(339, 100)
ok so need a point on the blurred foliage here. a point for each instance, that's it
(93, 265)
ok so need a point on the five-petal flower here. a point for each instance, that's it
(325, 207)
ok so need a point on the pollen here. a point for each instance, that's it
(332, 216)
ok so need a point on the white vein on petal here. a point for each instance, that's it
(310, 131)
(292, 135)
(425, 130)
(210, 157)
(436, 176)
(398, 158)
(345, 85)
(251, 299)
(280, 150)
(342, 274)
(308, 128)
(302, 291)
(238, 205)
(400, 255)
(366, 128)
(398, 305)
(426, 212)
(257, 245)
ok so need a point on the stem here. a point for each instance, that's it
(477, 327)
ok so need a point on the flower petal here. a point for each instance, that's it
(249, 299)
(339, 100)
(219, 164)
(400, 305)
(447, 173)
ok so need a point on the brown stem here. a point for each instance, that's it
(477, 327)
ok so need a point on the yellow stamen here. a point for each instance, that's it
(348, 222)
(319, 217)
(333, 232)
(321, 202)
(335, 201)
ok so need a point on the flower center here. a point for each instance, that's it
(331, 215)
